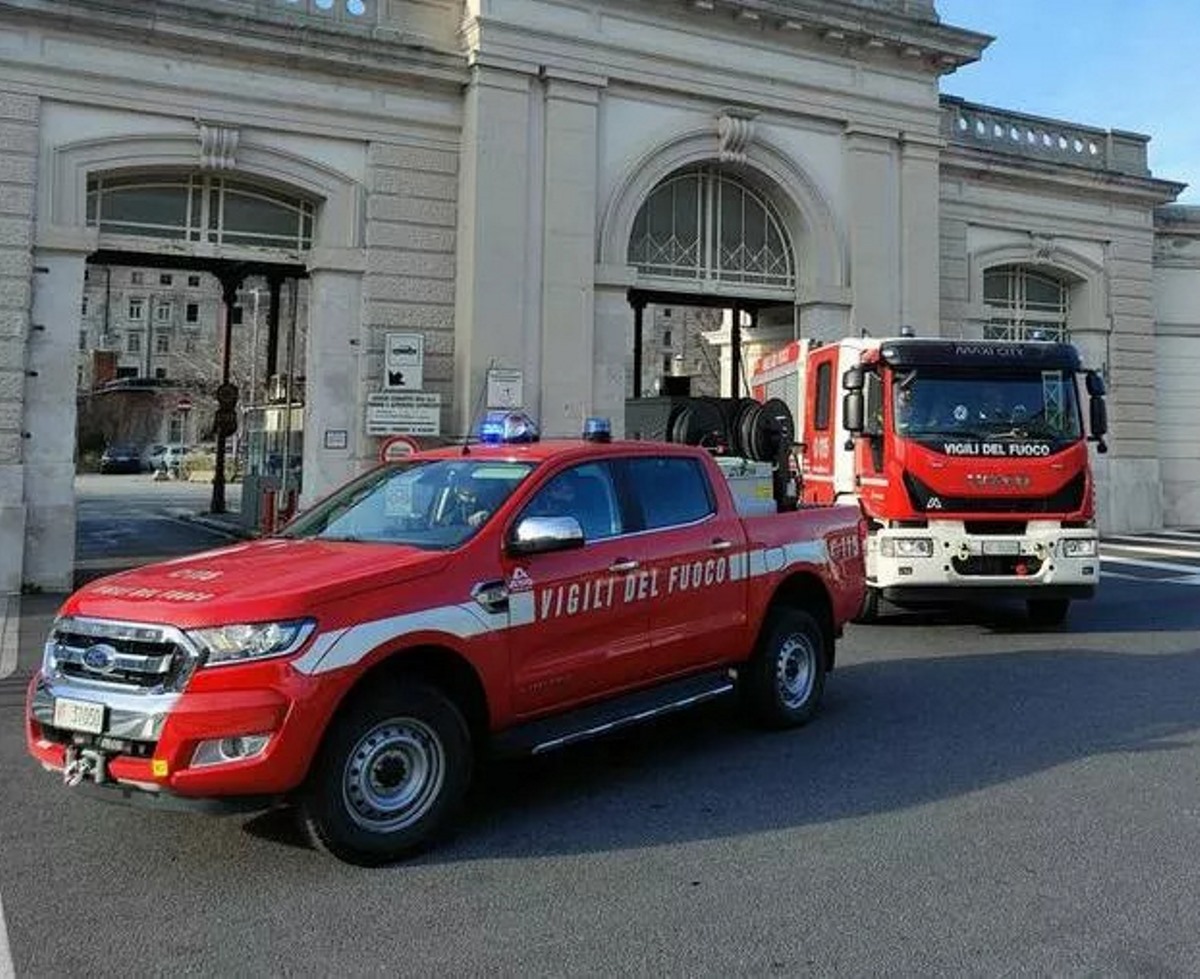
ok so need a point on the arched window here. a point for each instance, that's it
(199, 207)
(1024, 304)
(704, 224)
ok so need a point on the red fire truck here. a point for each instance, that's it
(969, 458)
(512, 596)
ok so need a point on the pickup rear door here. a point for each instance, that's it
(695, 554)
(577, 616)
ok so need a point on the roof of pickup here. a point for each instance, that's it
(560, 449)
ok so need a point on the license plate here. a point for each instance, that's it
(79, 715)
(1001, 547)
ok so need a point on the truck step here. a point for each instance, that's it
(547, 734)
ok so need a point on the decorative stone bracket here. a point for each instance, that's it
(218, 147)
(735, 131)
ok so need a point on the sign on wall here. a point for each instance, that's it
(505, 388)
(404, 413)
(404, 362)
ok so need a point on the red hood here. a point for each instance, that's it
(255, 581)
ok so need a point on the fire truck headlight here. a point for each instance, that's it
(1079, 547)
(906, 547)
(251, 641)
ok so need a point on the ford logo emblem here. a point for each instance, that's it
(100, 658)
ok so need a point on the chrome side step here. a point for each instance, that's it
(549, 734)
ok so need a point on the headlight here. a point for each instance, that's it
(257, 640)
(906, 547)
(1079, 547)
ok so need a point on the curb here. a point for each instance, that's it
(10, 628)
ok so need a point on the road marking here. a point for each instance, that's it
(1161, 551)
(1189, 570)
(1144, 579)
(10, 629)
(7, 971)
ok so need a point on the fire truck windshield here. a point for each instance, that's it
(1042, 405)
(431, 505)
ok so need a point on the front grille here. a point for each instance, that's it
(997, 565)
(1068, 499)
(995, 528)
(130, 656)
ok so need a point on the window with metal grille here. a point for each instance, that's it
(199, 207)
(705, 224)
(1025, 304)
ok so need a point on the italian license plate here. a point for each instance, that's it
(79, 715)
(1012, 547)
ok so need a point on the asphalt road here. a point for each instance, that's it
(975, 799)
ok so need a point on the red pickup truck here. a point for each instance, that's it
(499, 597)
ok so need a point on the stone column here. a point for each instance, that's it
(49, 449)
(18, 164)
(568, 380)
(612, 344)
(920, 247)
(334, 400)
(498, 247)
(872, 190)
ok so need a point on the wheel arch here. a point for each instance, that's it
(806, 591)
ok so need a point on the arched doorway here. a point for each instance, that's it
(708, 242)
(157, 352)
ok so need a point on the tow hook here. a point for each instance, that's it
(84, 763)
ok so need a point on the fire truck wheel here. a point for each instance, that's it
(782, 683)
(389, 777)
(1047, 612)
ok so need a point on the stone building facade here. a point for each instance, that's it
(502, 176)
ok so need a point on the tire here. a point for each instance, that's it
(390, 776)
(870, 609)
(1048, 612)
(781, 685)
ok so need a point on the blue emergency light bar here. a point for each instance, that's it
(597, 430)
(507, 428)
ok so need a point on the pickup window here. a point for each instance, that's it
(671, 492)
(584, 492)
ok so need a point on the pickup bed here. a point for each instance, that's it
(501, 597)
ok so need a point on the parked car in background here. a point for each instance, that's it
(152, 457)
(121, 459)
(169, 457)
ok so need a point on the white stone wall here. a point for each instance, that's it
(18, 178)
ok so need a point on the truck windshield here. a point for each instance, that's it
(429, 504)
(944, 404)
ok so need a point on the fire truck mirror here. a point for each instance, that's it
(1095, 384)
(852, 411)
(1099, 419)
(852, 379)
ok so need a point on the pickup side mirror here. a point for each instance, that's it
(540, 535)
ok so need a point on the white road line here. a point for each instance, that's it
(7, 970)
(1160, 540)
(1109, 546)
(10, 628)
(1185, 580)
(1184, 569)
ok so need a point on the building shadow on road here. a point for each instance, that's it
(893, 734)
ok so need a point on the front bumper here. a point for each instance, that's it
(1035, 564)
(148, 742)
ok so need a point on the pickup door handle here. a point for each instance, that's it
(621, 565)
(720, 544)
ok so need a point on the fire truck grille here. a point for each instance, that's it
(1068, 499)
(137, 658)
(997, 565)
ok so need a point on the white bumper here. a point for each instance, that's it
(1046, 558)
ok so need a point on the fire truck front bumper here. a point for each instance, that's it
(943, 561)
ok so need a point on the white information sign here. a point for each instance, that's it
(404, 362)
(505, 388)
(404, 413)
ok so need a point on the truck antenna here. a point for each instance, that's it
(474, 419)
